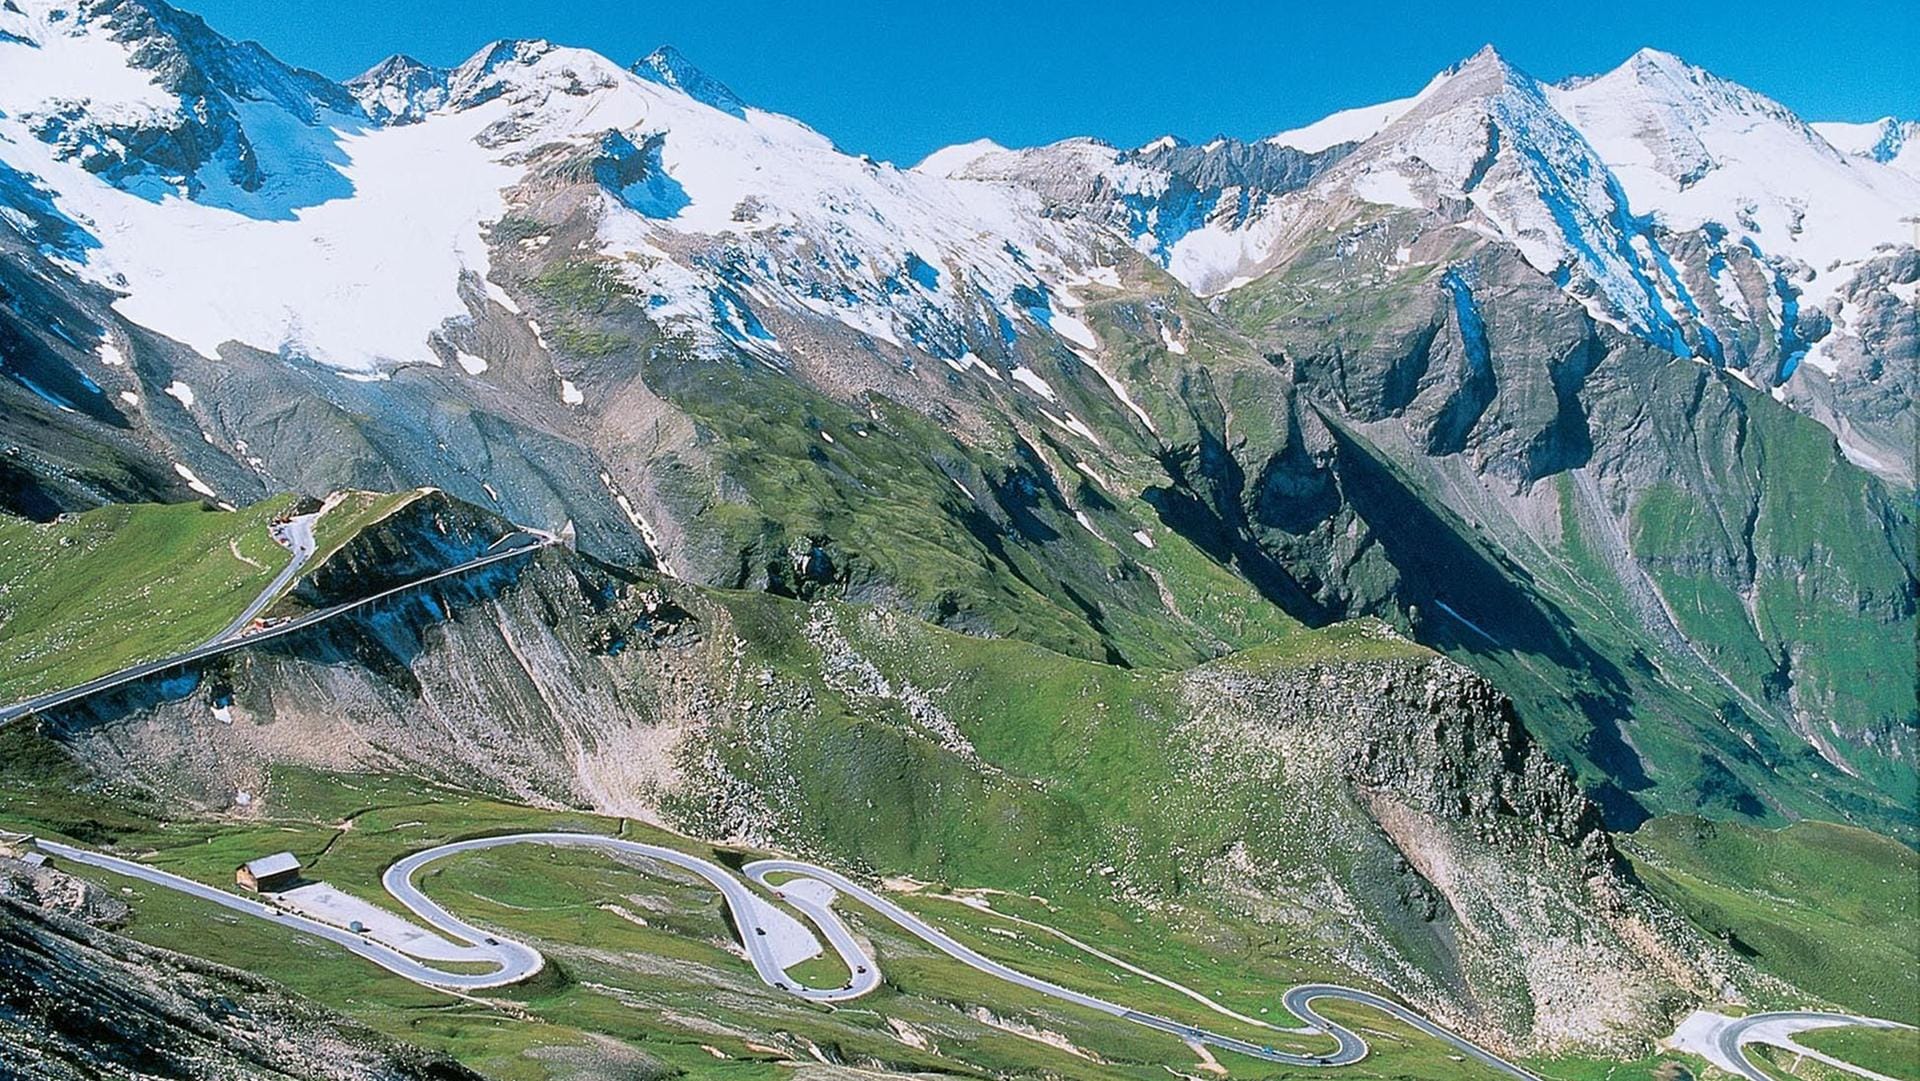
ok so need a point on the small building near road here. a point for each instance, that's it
(269, 874)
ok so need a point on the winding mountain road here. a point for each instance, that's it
(1722, 1040)
(748, 910)
(297, 535)
(812, 891)
(515, 958)
(507, 547)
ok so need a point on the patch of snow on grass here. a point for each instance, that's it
(499, 296)
(1119, 390)
(1073, 424)
(1033, 381)
(1092, 474)
(1075, 330)
(1173, 344)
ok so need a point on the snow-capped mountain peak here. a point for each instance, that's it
(724, 215)
(1697, 151)
(1673, 111)
(229, 198)
(399, 90)
(950, 161)
(1363, 123)
(152, 100)
(668, 66)
(1487, 134)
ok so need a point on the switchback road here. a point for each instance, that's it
(811, 890)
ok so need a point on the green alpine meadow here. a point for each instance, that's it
(528, 566)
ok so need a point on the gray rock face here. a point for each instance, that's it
(399, 90)
(54, 891)
(78, 1002)
(1464, 843)
(1867, 379)
(1159, 193)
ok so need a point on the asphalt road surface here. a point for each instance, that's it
(523, 961)
(812, 890)
(1732, 1038)
(298, 537)
(1349, 1047)
(513, 544)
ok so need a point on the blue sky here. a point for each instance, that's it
(898, 80)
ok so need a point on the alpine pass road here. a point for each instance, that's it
(506, 547)
(749, 911)
(517, 961)
(1722, 1040)
(811, 891)
(297, 535)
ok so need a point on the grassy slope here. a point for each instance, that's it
(1083, 747)
(354, 512)
(1826, 597)
(885, 495)
(1894, 1052)
(1829, 908)
(671, 987)
(97, 591)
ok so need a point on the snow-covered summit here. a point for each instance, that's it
(1698, 151)
(1354, 125)
(150, 99)
(405, 168)
(668, 66)
(1487, 134)
(399, 90)
(950, 161)
(229, 198)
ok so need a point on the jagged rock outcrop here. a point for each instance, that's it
(1470, 857)
(78, 1001)
(62, 894)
